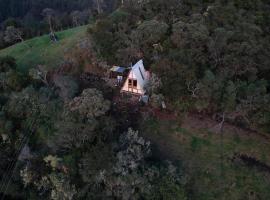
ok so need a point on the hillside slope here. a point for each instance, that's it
(41, 50)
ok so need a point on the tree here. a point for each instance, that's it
(13, 81)
(253, 106)
(103, 37)
(80, 125)
(76, 17)
(10, 78)
(53, 161)
(70, 136)
(40, 73)
(2, 40)
(210, 92)
(56, 184)
(90, 104)
(191, 39)
(49, 15)
(61, 187)
(120, 177)
(217, 45)
(33, 109)
(134, 149)
(7, 63)
(167, 184)
(127, 174)
(99, 4)
(92, 163)
(13, 34)
(151, 32)
(154, 84)
(66, 86)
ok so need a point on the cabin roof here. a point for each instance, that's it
(139, 71)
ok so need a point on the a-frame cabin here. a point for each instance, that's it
(136, 80)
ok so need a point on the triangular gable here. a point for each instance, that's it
(139, 72)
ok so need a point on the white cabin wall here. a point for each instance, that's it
(125, 88)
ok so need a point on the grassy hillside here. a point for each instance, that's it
(41, 50)
(210, 160)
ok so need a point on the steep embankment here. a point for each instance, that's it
(41, 50)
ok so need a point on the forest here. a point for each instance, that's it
(64, 133)
(211, 56)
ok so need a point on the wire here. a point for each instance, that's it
(8, 170)
(15, 166)
(12, 166)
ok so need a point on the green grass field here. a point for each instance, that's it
(207, 160)
(41, 50)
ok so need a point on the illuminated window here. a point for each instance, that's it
(135, 83)
(132, 83)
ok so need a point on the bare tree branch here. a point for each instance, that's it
(193, 88)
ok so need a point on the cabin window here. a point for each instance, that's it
(135, 83)
(132, 83)
(129, 82)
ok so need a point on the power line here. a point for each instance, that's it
(12, 166)
(15, 166)
(10, 169)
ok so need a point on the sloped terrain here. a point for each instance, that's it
(41, 50)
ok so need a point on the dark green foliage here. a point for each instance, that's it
(104, 37)
(7, 63)
(168, 185)
(208, 52)
(127, 174)
(208, 56)
(66, 86)
(10, 78)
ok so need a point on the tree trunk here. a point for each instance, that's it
(98, 6)
(50, 24)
